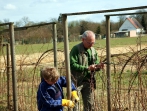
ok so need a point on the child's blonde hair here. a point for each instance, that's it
(50, 73)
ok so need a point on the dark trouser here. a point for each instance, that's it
(87, 93)
(88, 97)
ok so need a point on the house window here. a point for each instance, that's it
(124, 29)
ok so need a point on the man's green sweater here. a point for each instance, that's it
(80, 59)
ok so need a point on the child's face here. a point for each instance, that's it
(50, 82)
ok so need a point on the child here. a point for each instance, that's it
(50, 93)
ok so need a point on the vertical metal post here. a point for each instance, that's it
(66, 53)
(1, 45)
(8, 75)
(14, 80)
(108, 61)
(55, 44)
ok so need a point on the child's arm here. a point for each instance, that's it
(63, 83)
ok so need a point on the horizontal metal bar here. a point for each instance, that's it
(38, 25)
(126, 14)
(6, 23)
(104, 11)
(26, 27)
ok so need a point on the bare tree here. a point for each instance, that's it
(121, 20)
(6, 20)
(18, 23)
(25, 21)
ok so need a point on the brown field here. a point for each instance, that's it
(33, 58)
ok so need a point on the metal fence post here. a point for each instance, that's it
(55, 44)
(108, 61)
(14, 80)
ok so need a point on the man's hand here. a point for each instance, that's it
(96, 66)
(68, 103)
(91, 68)
(100, 66)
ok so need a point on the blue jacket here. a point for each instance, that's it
(49, 97)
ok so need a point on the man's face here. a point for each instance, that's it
(88, 42)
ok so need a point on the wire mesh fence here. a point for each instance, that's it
(34, 49)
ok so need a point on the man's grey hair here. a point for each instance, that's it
(87, 33)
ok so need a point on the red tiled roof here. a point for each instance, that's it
(135, 23)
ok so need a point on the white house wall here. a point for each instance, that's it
(132, 33)
(138, 30)
(127, 25)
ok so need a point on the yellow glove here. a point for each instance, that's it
(68, 103)
(74, 96)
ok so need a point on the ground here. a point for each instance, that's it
(32, 59)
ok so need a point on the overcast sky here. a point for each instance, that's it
(45, 10)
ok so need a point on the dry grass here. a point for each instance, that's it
(28, 80)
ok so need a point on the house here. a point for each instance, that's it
(130, 28)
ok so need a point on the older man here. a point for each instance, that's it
(83, 64)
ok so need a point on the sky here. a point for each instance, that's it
(45, 10)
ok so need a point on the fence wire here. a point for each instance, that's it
(34, 49)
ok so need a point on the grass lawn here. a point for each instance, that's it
(114, 42)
